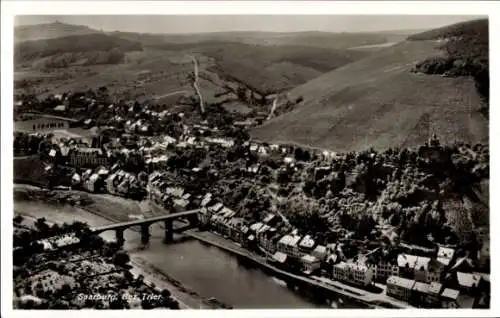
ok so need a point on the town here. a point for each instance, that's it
(384, 225)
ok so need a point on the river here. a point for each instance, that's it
(209, 271)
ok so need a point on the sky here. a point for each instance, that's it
(225, 23)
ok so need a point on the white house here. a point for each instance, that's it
(361, 274)
(288, 244)
(341, 271)
(310, 263)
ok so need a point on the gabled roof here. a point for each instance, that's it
(422, 263)
(307, 242)
(407, 260)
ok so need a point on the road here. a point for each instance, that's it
(170, 94)
(334, 286)
(195, 84)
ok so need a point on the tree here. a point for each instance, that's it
(18, 220)
(121, 259)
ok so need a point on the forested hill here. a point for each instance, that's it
(49, 31)
(77, 49)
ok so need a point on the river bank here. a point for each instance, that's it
(188, 299)
(151, 278)
(147, 258)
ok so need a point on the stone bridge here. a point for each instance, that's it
(119, 228)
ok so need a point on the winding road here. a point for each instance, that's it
(195, 84)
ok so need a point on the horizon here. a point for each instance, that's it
(177, 24)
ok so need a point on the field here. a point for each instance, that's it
(377, 102)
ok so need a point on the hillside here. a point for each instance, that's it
(88, 49)
(466, 47)
(377, 102)
(267, 69)
(474, 28)
(327, 40)
(49, 31)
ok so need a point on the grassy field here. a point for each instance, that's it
(378, 102)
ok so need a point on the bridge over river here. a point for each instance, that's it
(144, 224)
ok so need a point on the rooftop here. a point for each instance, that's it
(401, 282)
(422, 263)
(307, 242)
(407, 260)
(320, 249)
(435, 288)
(421, 287)
(280, 257)
(290, 240)
(450, 293)
(445, 252)
(468, 280)
(309, 258)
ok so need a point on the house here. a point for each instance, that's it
(353, 272)
(234, 227)
(332, 259)
(361, 274)
(255, 227)
(341, 271)
(261, 233)
(426, 294)
(445, 255)
(110, 185)
(76, 180)
(266, 239)
(88, 157)
(307, 244)
(204, 216)
(468, 283)
(421, 268)
(90, 184)
(279, 257)
(449, 298)
(406, 264)
(320, 252)
(180, 204)
(399, 287)
(384, 270)
(206, 200)
(176, 192)
(272, 240)
(310, 263)
(288, 244)
(434, 271)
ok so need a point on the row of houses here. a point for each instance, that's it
(160, 191)
(432, 294)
